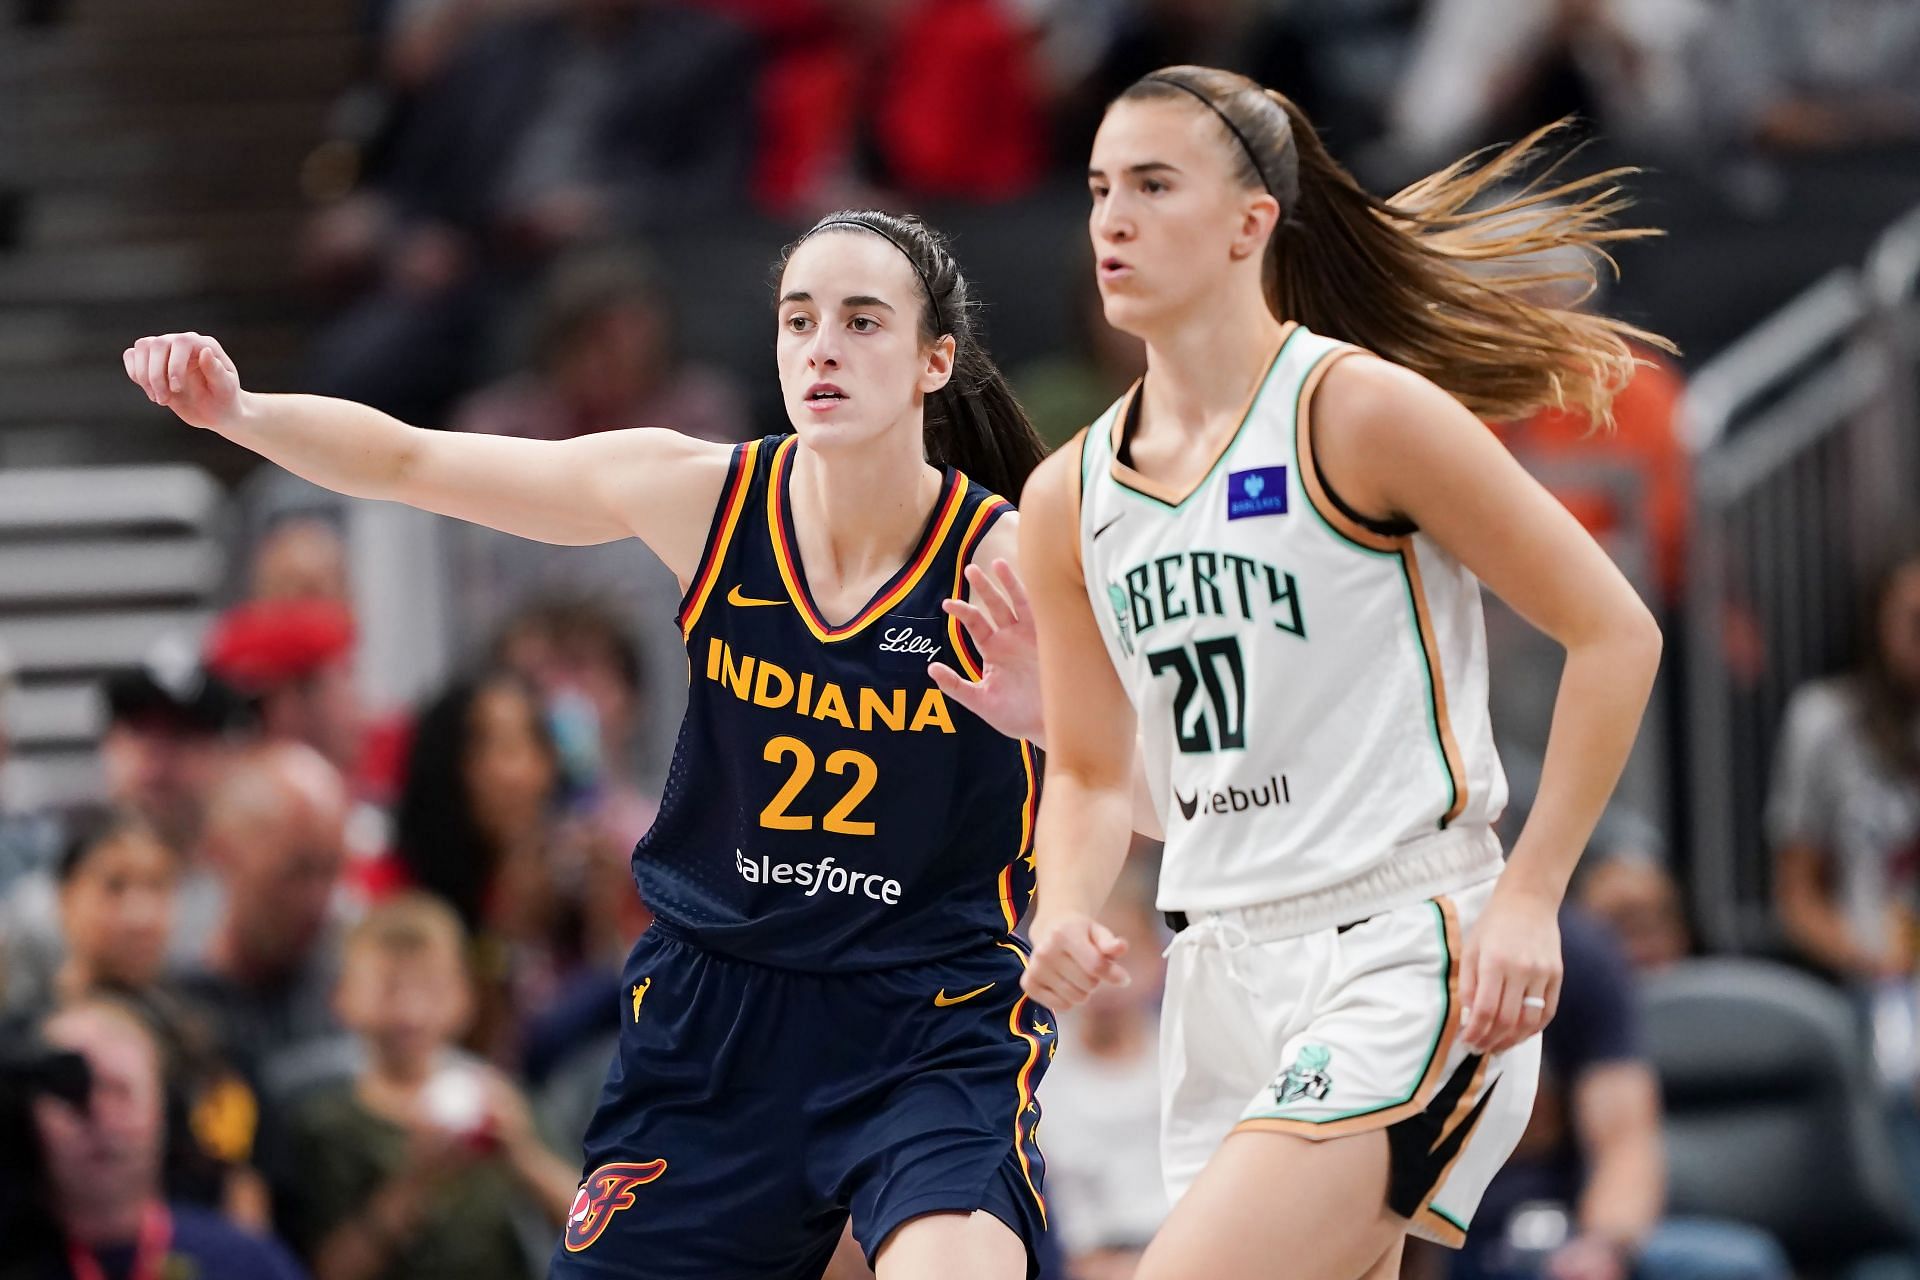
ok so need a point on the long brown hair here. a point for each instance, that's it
(1889, 706)
(974, 423)
(1408, 278)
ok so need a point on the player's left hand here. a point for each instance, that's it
(1510, 971)
(1000, 622)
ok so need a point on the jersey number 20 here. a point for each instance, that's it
(839, 819)
(1215, 664)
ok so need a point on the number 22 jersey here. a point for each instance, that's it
(827, 808)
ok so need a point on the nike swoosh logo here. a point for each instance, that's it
(1187, 806)
(749, 602)
(1108, 525)
(943, 999)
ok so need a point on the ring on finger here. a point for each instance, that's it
(1533, 1002)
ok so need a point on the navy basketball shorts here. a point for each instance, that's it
(750, 1110)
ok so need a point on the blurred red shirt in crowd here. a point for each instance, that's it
(929, 98)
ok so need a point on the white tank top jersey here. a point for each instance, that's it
(1311, 687)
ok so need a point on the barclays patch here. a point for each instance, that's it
(1259, 492)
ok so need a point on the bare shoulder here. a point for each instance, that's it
(1377, 428)
(1052, 492)
(664, 485)
(1376, 400)
(1001, 542)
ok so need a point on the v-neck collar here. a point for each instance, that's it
(1124, 421)
(786, 550)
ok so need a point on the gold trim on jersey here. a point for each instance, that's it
(976, 529)
(1008, 911)
(1127, 478)
(1443, 723)
(1023, 1089)
(1444, 1230)
(745, 461)
(787, 556)
(1343, 524)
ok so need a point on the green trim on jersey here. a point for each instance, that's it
(1438, 1212)
(1225, 453)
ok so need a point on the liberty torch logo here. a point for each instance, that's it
(607, 1191)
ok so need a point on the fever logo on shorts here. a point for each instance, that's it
(607, 1191)
(1307, 1077)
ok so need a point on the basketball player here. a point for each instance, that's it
(1266, 556)
(826, 1019)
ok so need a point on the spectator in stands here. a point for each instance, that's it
(1102, 1101)
(603, 357)
(91, 914)
(300, 558)
(1481, 70)
(275, 839)
(417, 1166)
(1844, 809)
(476, 827)
(586, 664)
(101, 1164)
(294, 658)
(1634, 894)
(551, 128)
(171, 728)
(1811, 74)
(170, 734)
(1592, 1160)
(116, 906)
(858, 102)
(1843, 818)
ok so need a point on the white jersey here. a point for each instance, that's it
(1312, 690)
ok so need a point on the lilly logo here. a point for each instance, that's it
(607, 1191)
(1259, 492)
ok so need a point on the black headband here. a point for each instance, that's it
(1226, 120)
(933, 300)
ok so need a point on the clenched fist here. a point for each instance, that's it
(190, 374)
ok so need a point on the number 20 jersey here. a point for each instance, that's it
(827, 808)
(1311, 688)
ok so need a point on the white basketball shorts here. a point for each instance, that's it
(1336, 1032)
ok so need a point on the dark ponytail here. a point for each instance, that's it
(974, 423)
(1405, 278)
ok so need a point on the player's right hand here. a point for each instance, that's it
(1072, 956)
(188, 373)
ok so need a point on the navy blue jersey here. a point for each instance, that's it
(828, 808)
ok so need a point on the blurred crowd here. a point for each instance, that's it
(345, 976)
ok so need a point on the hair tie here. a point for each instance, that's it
(933, 300)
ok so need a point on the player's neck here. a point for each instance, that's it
(1202, 368)
(859, 513)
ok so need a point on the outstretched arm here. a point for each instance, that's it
(653, 484)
